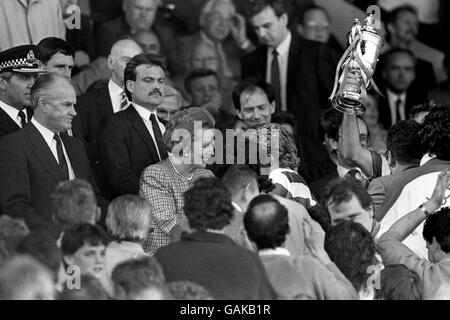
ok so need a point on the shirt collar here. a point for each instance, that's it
(277, 251)
(393, 97)
(283, 47)
(426, 157)
(11, 111)
(143, 112)
(45, 132)
(114, 89)
(237, 207)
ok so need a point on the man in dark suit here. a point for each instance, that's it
(18, 72)
(35, 159)
(100, 103)
(302, 71)
(398, 71)
(138, 15)
(131, 140)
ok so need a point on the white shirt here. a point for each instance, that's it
(13, 113)
(392, 99)
(277, 251)
(283, 59)
(145, 115)
(48, 137)
(413, 195)
(115, 93)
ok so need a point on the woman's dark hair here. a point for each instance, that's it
(352, 248)
(403, 140)
(438, 226)
(207, 205)
(77, 236)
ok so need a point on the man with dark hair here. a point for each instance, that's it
(204, 89)
(316, 277)
(254, 101)
(83, 247)
(301, 72)
(347, 199)
(403, 28)
(416, 186)
(131, 140)
(95, 106)
(18, 71)
(352, 248)
(420, 111)
(207, 256)
(398, 69)
(403, 154)
(34, 160)
(434, 271)
(57, 56)
(347, 139)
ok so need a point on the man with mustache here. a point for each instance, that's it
(131, 140)
(35, 159)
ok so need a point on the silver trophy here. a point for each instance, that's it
(359, 60)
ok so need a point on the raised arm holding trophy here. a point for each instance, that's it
(358, 61)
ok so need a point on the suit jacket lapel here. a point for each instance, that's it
(6, 123)
(104, 100)
(142, 130)
(43, 152)
(75, 160)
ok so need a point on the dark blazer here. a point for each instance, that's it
(110, 32)
(413, 97)
(92, 108)
(217, 263)
(7, 125)
(29, 172)
(126, 149)
(310, 79)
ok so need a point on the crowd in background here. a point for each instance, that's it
(101, 197)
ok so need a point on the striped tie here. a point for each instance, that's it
(123, 101)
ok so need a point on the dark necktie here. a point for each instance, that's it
(23, 118)
(158, 137)
(123, 100)
(398, 104)
(275, 79)
(61, 158)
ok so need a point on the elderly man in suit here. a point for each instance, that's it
(93, 107)
(302, 72)
(138, 15)
(131, 140)
(35, 159)
(18, 72)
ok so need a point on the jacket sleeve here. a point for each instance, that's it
(15, 186)
(377, 191)
(115, 158)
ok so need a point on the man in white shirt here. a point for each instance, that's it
(18, 72)
(35, 159)
(131, 140)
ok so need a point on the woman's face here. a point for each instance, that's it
(202, 148)
(90, 259)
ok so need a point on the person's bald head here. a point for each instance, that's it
(266, 222)
(53, 99)
(121, 52)
(148, 40)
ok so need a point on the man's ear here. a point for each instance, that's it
(3, 84)
(130, 85)
(68, 260)
(239, 114)
(284, 19)
(273, 107)
(435, 245)
(333, 143)
(371, 212)
(390, 28)
(390, 159)
(98, 214)
(110, 62)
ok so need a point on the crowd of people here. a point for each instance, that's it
(153, 151)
